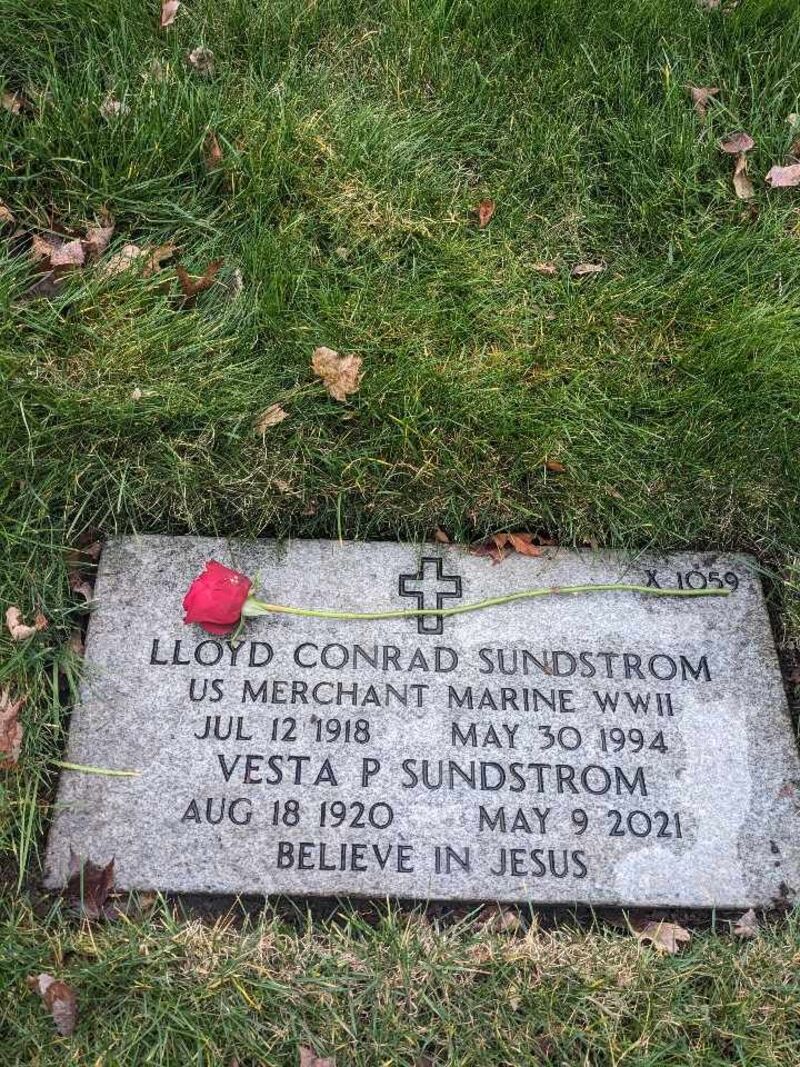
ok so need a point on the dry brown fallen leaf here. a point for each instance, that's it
(80, 586)
(549, 269)
(59, 999)
(440, 536)
(271, 417)
(6, 215)
(742, 185)
(234, 284)
(498, 544)
(97, 240)
(50, 251)
(554, 466)
(112, 108)
(212, 153)
(169, 9)
(190, 287)
(580, 270)
(17, 628)
(157, 257)
(783, 177)
(121, 260)
(131, 254)
(701, 95)
(10, 729)
(341, 374)
(747, 925)
(309, 1058)
(494, 920)
(201, 59)
(485, 210)
(13, 102)
(664, 936)
(88, 886)
(735, 143)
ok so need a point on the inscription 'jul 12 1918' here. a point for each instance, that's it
(595, 749)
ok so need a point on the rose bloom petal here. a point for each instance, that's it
(215, 598)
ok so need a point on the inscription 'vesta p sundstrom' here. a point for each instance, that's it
(611, 748)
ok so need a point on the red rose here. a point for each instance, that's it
(215, 599)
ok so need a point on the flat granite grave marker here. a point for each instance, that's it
(609, 748)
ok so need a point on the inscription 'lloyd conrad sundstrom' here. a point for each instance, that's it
(606, 748)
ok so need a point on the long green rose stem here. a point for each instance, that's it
(253, 607)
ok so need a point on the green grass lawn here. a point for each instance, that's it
(357, 138)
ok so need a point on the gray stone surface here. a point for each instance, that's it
(699, 807)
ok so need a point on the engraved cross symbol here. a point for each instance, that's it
(430, 588)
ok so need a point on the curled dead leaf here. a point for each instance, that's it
(169, 10)
(234, 284)
(485, 210)
(13, 102)
(495, 920)
(112, 108)
(10, 729)
(580, 270)
(97, 240)
(190, 287)
(201, 59)
(783, 177)
(498, 544)
(151, 259)
(742, 185)
(340, 374)
(90, 549)
(735, 143)
(747, 925)
(212, 153)
(17, 628)
(122, 260)
(89, 885)
(664, 937)
(157, 257)
(701, 95)
(80, 586)
(309, 1058)
(548, 269)
(59, 999)
(50, 252)
(271, 417)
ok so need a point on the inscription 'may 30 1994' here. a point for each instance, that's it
(608, 748)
